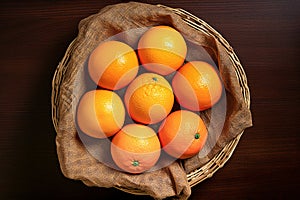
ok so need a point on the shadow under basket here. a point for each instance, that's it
(218, 161)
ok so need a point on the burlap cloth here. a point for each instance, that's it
(171, 181)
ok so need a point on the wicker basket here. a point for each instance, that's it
(218, 161)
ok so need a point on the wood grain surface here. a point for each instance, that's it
(265, 35)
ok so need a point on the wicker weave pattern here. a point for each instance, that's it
(219, 159)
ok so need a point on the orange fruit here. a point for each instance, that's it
(100, 113)
(135, 148)
(113, 64)
(182, 134)
(149, 98)
(162, 50)
(197, 86)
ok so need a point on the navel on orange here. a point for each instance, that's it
(135, 148)
(182, 134)
(113, 64)
(162, 50)
(149, 98)
(197, 86)
(100, 113)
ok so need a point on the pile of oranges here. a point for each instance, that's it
(149, 99)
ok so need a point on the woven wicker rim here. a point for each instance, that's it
(218, 161)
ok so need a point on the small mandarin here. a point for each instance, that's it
(197, 86)
(162, 50)
(182, 134)
(135, 148)
(113, 65)
(100, 113)
(149, 98)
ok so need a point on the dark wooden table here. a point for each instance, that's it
(265, 35)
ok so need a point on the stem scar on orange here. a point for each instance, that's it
(113, 65)
(100, 113)
(162, 50)
(182, 134)
(197, 86)
(149, 98)
(135, 148)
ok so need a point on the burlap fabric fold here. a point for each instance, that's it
(171, 181)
